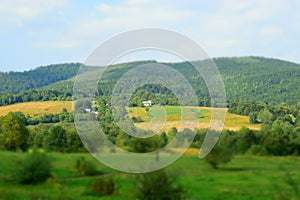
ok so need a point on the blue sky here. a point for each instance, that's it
(42, 32)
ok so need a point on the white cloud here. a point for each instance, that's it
(104, 8)
(109, 19)
(271, 31)
(224, 27)
(136, 2)
(57, 45)
(237, 27)
(133, 15)
(19, 11)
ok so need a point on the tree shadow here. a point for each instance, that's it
(236, 169)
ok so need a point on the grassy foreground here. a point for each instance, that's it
(245, 177)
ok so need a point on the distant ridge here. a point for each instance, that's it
(14, 82)
(251, 79)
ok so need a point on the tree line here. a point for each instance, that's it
(265, 112)
(279, 134)
(16, 136)
(279, 138)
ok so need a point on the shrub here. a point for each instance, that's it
(253, 117)
(85, 167)
(157, 185)
(102, 187)
(137, 119)
(56, 140)
(258, 150)
(36, 168)
(219, 155)
(13, 132)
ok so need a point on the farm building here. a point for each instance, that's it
(147, 103)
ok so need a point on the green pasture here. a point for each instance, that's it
(245, 177)
(172, 115)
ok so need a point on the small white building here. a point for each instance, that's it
(147, 103)
(88, 110)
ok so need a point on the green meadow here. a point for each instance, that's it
(171, 115)
(245, 177)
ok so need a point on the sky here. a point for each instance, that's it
(35, 32)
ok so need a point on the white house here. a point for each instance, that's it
(88, 110)
(147, 103)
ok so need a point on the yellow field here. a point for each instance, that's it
(34, 108)
(173, 114)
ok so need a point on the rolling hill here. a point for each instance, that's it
(15, 82)
(250, 79)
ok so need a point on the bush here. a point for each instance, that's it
(85, 168)
(137, 119)
(157, 185)
(56, 140)
(36, 168)
(102, 187)
(219, 155)
(13, 132)
(257, 150)
(253, 117)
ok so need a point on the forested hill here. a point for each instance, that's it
(15, 82)
(260, 79)
(247, 79)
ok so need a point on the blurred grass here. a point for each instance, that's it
(245, 177)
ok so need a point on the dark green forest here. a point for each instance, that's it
(15, 82)
(247, 79)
